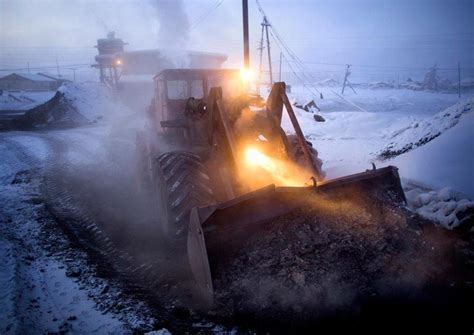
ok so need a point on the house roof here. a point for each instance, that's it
(29, 76)
(49, 75)
(164, 52)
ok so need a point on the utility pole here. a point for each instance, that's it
(245, 14)
(279, 72)
(266, 25)
(345, 78)
(28, 67)
(74, 74)
(57, 66)
(459, 79)
(260, 67)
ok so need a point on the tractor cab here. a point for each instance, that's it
(177, 88)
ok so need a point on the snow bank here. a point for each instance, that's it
(92, 100)
(347, 142)
(446, 207)
(420, 133)
(23, 100)
(446, 160)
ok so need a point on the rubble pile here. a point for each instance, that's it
(332, 258)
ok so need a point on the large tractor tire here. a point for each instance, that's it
(298, 154)
(181, 183)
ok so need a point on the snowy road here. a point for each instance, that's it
(49, 283)
(40, 289)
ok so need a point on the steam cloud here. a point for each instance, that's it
(173, 33)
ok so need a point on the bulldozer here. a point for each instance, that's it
(219, 165)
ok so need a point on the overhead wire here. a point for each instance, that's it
(284, 47)
(307, 79)
(65, 66)
(205, 15)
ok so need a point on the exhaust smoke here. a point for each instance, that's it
(173, 31)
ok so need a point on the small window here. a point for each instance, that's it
(197, 89)
(177, 89)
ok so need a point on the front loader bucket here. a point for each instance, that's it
(217, 232)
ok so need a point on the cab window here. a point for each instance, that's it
(197, 89)
(183, 89)
(177, 89)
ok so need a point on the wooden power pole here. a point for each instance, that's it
(459, 79)
(245, 15)
(279, 72)
(345, 78)
(260, 66)
(57, 67)
(266, 25)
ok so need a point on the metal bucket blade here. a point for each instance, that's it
(216, 232)
(198, 260)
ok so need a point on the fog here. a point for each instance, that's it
(379, 38)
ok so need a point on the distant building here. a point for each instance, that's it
(114, 62)
(142, 62)
(27, 81)
(60, 80)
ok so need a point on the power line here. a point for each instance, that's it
(380, 66)
(298, 61)
(284, 47)
(205, 15)
(46, 67)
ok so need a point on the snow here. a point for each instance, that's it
(163, 331)
(30, 76)
(419, 133)
(448, 160)
(35, 291)
(350, 140)
(8, 287)
(23, 100)
(92, 100)
(435, 130)
(437, 177)
(402, 101)
(446, 206)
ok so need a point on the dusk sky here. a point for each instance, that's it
(325, 34)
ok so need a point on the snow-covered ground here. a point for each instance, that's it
(23, 100)
(35, 288)
(36, 293)
(43, 290)
(401, 101)
(92, 100)
(432, 133)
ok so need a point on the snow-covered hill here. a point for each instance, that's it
(92, 100)
(420, 133)
(446, 163)
(435, 153)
